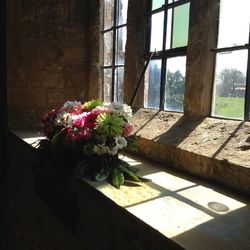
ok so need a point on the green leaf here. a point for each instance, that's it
(80, 169)
(115, 178)
(130, 173)
(121, 177)
(102, 174)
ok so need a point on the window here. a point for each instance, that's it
(168, 37)
(231, 96)
(114, 40)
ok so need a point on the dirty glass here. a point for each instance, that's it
(108, 48)
(157, 31)
(180, 26)
(121, 38)
(234, 23)
(108, 14)
(152, 85)
(175, 83)
(122, 6)
(118, 86)
(107, 84)
(157, 4)
(230, 84)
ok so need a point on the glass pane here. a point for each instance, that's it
(230, 84)
(122, 7)
(108, 14)
(157, 31)
(119, 76)
(157, 4)
(169, 28)
(234, 23)
(152, 85)
(180, 26)
(120, 45)
(108, 48)
(175, 83)
(107, 85)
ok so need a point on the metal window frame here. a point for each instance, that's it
(113, 66)
(164, 54)
(246, 115)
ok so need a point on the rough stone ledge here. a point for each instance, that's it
(214, 149)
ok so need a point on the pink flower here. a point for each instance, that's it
(99, 109)
(127, 129)
(79, 122)
(90, 120)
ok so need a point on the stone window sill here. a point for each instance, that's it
(178, 206)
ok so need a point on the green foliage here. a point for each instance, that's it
(109, 124)
(92, 104)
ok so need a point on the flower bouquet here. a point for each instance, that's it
(92, 135)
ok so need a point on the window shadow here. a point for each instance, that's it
(232, 135)
(229, 231)
(148, 121)
(179, 131)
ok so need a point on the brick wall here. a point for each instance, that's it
(48, 59)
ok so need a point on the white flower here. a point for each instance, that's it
(114, 150)
(101, 149)
(123, 110)
(71, 103)
(121, 142)
(61, 118)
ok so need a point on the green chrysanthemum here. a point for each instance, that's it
(109, 124)
(92, 104)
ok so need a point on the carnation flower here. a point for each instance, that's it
(109, 124)
(127, 129)
(77, 120)
(100, 109)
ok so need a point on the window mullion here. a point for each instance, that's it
(114, 50)
(247, 93)
(163, 65)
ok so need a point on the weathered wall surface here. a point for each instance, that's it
(47, 57)
(214, 149)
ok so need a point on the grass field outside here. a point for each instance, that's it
(230, 107)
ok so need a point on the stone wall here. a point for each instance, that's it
(48, 59)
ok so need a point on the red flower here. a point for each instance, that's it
(90, 120)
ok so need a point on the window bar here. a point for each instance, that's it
(164, 60)
(172, 28)
(247, 93)
(114, 49)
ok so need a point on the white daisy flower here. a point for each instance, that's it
(121, 142)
